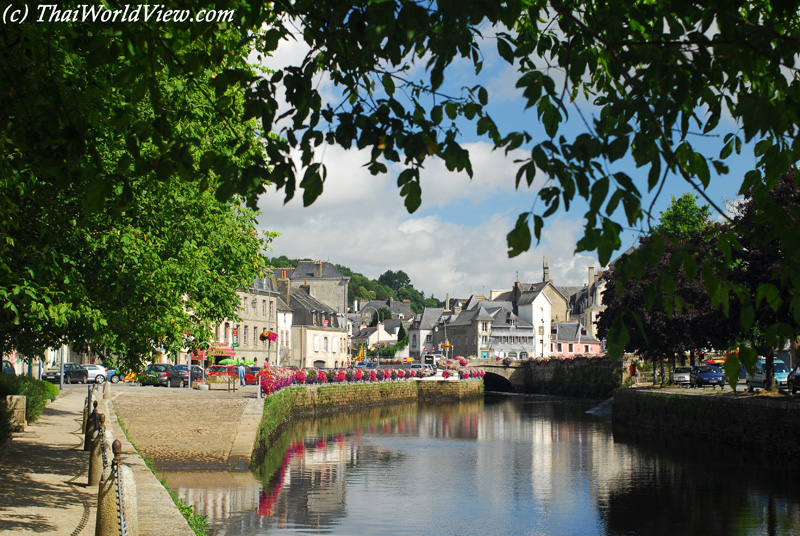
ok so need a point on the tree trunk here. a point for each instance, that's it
(769, 371)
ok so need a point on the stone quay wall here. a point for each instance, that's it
(771, 424)
(296, 402)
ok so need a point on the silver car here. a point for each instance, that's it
(97, 373)
(682, 376)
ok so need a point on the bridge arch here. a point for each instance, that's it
(497, 383)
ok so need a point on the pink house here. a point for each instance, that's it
(569, 339)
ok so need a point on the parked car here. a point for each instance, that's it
(8, 368)
(682, 376)
(232, 371)
(97, 373)
(73, 373)
(197, 372)
(706, 375)
(759, 378)
(793, 381)
(112, 376)
(167, 374)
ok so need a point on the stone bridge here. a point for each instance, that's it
(552, 376)
(500, 377)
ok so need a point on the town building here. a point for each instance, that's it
(570, 339)
(319, 333)
(324, 281)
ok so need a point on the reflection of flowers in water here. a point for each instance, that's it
(267, 497)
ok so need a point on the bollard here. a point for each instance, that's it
(96, 464)
(117, 507)
(91, 427)
(86, 410)
(107, 390)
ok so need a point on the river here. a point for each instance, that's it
(506, 465)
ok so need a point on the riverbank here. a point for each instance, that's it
(769, 423)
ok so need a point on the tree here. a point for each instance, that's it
(662, 324)
(684, 217)
(762, 271)
(112, 236)
(395, 280)
(381, 315)
(645, 79)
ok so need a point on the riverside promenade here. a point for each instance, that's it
(45, 469)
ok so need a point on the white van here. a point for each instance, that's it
(431, 359)
(759, 378)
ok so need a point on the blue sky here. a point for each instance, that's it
(455, 244)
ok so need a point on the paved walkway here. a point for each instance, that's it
(45, 469)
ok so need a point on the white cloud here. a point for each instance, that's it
(360, 222)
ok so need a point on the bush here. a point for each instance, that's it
(36, 392)
(5, 421)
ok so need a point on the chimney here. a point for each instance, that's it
(390, 302)
(317, 269)
(546, 270)
(591, 276)
(305, 287)
(447, 301)
(284, 288)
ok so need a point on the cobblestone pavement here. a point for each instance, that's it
(181, 428)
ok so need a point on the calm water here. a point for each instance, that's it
(506, 465)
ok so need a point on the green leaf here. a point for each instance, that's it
(519, 239)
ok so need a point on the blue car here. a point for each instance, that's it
(706, 375)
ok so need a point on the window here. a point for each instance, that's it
(271, 305)
(244, 335)
(244, 304)
(255, 336)
(570, 348)
(429, 338)
(414, 341)
(559, 348)
(264, 307)
(551, 346)
(316, 343)
(324, 344)
(484, 326)
(585, 348)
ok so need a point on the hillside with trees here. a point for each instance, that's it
(395, 284)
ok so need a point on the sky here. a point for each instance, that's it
(455, 243)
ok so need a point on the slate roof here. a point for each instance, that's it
(305, 270)
(396, 307)
(503, 318)
(569, 292)
(568, 332)
(364, 333)
(428, 318)
(302, 300)
(468, 316)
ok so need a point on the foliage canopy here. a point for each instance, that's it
(647, 79)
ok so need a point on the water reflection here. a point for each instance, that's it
(512, 465)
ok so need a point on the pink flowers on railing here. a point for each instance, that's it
(275, 379)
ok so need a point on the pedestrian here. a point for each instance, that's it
(242, 370)
(633, 370)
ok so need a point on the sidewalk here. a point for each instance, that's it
(45, 477)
